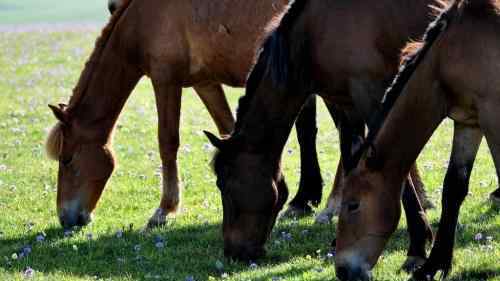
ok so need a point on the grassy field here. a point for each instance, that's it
(37, 69)
(51, 11)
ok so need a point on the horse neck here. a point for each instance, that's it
(112, 79)
(417, 113)
(267, 123)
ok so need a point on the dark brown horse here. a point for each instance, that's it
(448, 75)
(347, 52)
(178, 44)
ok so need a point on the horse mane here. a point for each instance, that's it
(54, 141)
(411, 57)
(274, 59)
(100, 44)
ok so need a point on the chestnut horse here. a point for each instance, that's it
(306, 55)
(448, 75)
(202, 46)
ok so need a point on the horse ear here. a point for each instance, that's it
(218, 143)
(59, 113)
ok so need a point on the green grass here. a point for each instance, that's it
(37, 69)
(52, 11)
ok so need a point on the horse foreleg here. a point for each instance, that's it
(216, 103)
(466, 141)
(168, 102)
(334, 199)
(351, 128)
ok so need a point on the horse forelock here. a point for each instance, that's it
(100, 44)
(54, 141)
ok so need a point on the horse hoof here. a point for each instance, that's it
(325, 217)
(158, 219)
(412, 263)
(295, 212)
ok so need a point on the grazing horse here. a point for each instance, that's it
(310, 186)
(306, 55)
(447, 75)
(177, 44)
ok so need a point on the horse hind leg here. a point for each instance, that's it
(311, 184)
(212, 95)
(351, 128)
(466, 141)
(420, 188)
(168, 102)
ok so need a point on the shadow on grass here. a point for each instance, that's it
(480, 275)
(189, 250)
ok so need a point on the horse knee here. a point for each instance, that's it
(169, 146)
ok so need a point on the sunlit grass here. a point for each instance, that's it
(37, 69)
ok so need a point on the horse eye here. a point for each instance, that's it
(352, 206)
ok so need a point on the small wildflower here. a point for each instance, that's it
(26, 250)
(40, 238)
(3, 167)
(208, 147)
(158, 239)
(478, 237)
(330, 255)
(286, 236)
(30, 226)
(160, 245)
(14, 256)
(219, 265)
(253, 265)
(28, 272)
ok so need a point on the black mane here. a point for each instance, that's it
(274, 59)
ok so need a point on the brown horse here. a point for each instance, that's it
(448, 75)
(306, 55)
(310, 186)
(194, 43)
